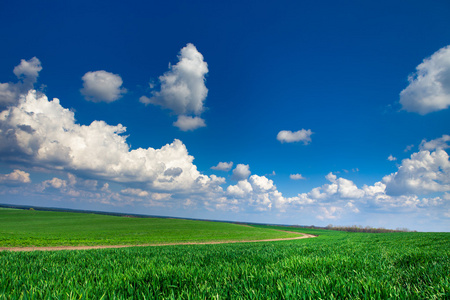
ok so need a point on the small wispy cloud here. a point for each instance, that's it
(223, 166)
(296, 177)
(392, 158)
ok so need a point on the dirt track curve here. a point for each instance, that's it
(58, 248)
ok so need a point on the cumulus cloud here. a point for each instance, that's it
(15, 177)
(240, 190)
(102, 86)
(183, 88)
(391, 158)
(223, 166)
(55, 183)
(43, 133)
(429, 87)
(296, 177)
(286, 136)
(241, 172)
(188, 123)
(257, 192)
(28, 70)
(425, 172)
(27, 73)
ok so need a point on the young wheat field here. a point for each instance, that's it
(334, 265)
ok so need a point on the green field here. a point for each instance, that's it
(44, 228)
(335, 265)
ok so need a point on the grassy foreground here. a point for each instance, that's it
(42, 228)
(335, 265)
(338, 266)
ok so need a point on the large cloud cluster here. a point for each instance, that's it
(183, 89)
(44, 133)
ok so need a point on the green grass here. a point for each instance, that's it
(335, 265)
(42, 228)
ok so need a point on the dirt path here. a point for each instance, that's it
(58, 248)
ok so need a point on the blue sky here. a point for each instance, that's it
(329, 112)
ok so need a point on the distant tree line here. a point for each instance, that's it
(359, 228)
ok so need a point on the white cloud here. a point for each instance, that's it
(241, 189)
(347, 189)
(15, 177)
(331, 177)
(102, 86)
(261, 184)
(188, 123)
(296, 177)
(241, 172)
(43, 133)
(27, 72)
(134, 192)
(425, 172)
(429, 87)
(223, 166)
(391, 158)
(55, 183)
(286, 136)
(439, 143)
(258, 193)
(339, 188)
(183, 88)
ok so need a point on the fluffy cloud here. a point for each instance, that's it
(27, 73)
(425, 172)
(55, 183)
(258, 192)
(15, 177)
(43, 133)
(241, 172)
(338, 188)
(240, 190)
(183, 88)
(429, 87)
(102, 86)
(296, 177)
(223, 166)
(187, 123)
(286, 136)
